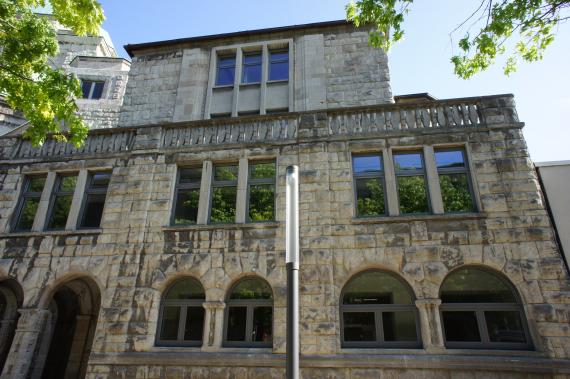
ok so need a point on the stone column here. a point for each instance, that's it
(21, 359)
(213, 325)
(430, 323)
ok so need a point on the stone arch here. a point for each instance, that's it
(73, 303)
(11, 299)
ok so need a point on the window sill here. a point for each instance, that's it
(223, 86)
(418, 217)
(256, 84)
(444, 351)
(269, 82)
(52, 233)
(249, 225)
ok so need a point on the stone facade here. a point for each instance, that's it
(122, 269)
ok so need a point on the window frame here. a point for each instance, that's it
(218, 184)
(53, 197)
(262, 181)
(93, 84)
(184, 305)
(219, 57)
(378, 310)
(244, 65)
(381, 175)
(184, 186)
(456, 170)
(282, 60)
(404, 173)
(92, 191)
(24, 195)
(479, 309)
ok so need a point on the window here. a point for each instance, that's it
(61, 201)
(249, 314)
(29, 202)
(92, 89)
(224, 192)
(226, 70)
(181, 320)
(368, 174)
(187, 196)
(261, 191)
(480, 310)
(94, 201)
(279, 65)
(377, 310)
(456, 190)
(410, 179)
(251, 72)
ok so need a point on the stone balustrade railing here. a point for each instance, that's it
(486, 111)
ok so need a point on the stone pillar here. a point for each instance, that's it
(78, 346)
(213, 325)
(21, 358)
(241, 201)
(430, 323)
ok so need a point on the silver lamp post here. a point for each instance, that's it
(292, 264)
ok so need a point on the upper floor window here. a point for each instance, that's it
(187, 196)
(251, 71)
(411, 182)
(224, 192)
(456, 191)
(92, 89)
(61, 201)
(368, 174)
(226, 69)
(94, 199)
(181, 320)
(29, 202)
(261, 191)
(279, 65)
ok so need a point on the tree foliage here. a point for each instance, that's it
(531, 22)
(45, 94)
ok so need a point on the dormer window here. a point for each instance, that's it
(226, 71)
(92, 89)
(251, 68)
(279, 65)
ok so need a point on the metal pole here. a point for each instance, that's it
(292, 264)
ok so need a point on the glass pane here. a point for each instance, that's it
(223, 204)
(472, 285)
(262, 202)
(251, 288)
(93, 211)
(359, 326)
(252, 59)
(399, 326)
(100, 179)
(505, 326)
(225, 173)
(369, 164)
(370, 197)
(67, 183)
(225, 76)
(170, 322)
(279, 56)
(3, 305)
(408, 161)
(455, 193)
(86, 88)
(59, 212)
(27, 214)
(461, 326)
(236, 323)
(262, 324)
(36, 184)
(262, 171)
(194, 326)
(98, 90)
(376, 287)
(279, 71)
(186, 289)
(186, 211)
(449, 159)
(412, 194)
(251, 74)
(190, 175)
(227, 61)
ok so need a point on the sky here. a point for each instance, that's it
(420, 63)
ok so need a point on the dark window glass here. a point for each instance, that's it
(461, 326)
(226, 71)
(454, 181)
(170, 322)
(369, 185)
(86, 88)
(251, 68)
(261, 184)
(193, 329)
(224, 192)
(505, 326)
(186, 289)
(359, 326)
(399, 326)
(187, 196)
(92, 89)
(61, 202)
(262, 324)
(29, 202)
(251, 288)
(410, 179)
(278, 65)
(94, 201)
(237, 317)
(473, 285)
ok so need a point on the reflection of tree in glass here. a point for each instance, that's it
(28, 214)
(262, 171)
(223, 204)
(371, 202)
(187, 213)
(412, 194)
(261, 202)
(226, 173)
(60, 211)
(455, 193)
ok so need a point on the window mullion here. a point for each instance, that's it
(434, 189)
(249, 324)
(181, 323)
(379, 327)
(482, 326)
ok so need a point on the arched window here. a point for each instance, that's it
(181, 321)
(249, 314)
(481, 310)
(377, 310)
